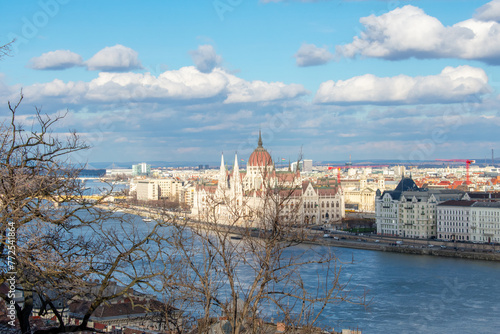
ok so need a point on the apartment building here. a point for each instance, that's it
(469, 220)
(409, 211)
(155, 189)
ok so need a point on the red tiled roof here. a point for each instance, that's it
(260, 157)
(326, 191)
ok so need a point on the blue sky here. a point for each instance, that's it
(184, 80)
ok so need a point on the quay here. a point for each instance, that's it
(461, 250)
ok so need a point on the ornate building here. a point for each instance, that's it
(243, 195)
(409, 211)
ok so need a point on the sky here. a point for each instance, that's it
(184, 80)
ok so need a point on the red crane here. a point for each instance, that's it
(338, 174)
(467, 164)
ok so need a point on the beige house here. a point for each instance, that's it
(362, 195)
(155, 189)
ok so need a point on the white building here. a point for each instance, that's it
(468, 220)
(246, 193)
(155, 189)
(409, 211)
(322, 204)
(485, 222)
(142, 169)
(454, 220)
(146, 190)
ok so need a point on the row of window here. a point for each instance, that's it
(309, 205)
(453, 212)
(448, 223)
(454, 230)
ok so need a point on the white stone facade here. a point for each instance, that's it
(257, 191)
(409, 211)
(485, 222)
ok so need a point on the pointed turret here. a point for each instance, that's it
(222, 174)
(259, 143)
(236, 184)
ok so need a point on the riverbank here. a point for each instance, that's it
(406, 249)
(382, 244)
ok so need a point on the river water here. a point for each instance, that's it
(420, 294)
(414, 293)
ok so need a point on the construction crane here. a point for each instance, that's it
(351, 166)
(338, 174)
(467, 164)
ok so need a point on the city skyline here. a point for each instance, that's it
(183, 81)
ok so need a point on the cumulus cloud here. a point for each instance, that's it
(453, 84)
(186, 84)
(311, 55)
(489, 11)
(205, 58)
(56, 60)
(116, 58)
(409, 32)
(241, 91)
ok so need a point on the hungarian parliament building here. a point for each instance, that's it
(261, 193)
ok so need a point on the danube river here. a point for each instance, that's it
(419, 294)
(414, 293)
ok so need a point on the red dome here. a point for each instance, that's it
(260, 158)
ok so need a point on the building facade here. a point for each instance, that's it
(469, 220)
(253, 192)
(485, 222)
(409, 211)
(155, 189)
(454, 220)
(142, 169)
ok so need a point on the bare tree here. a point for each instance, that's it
(6, 49)
(242, 265)
(55, 242)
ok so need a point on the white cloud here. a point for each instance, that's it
(489, 11)
(56, 60)
(186, 84)
(241, 91)
(409, 32)
(311, 55)
(453, 84)
(205, 58)
(116, 58)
